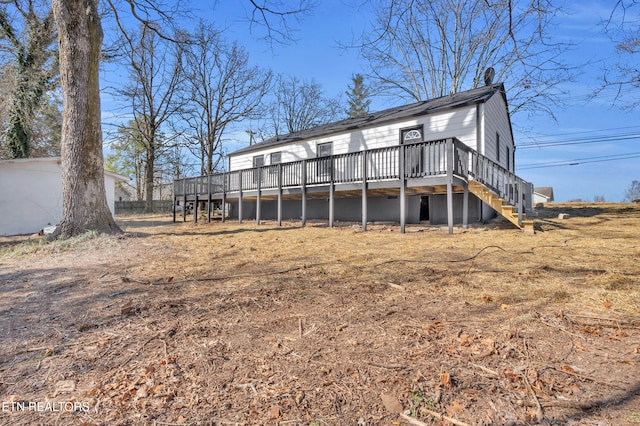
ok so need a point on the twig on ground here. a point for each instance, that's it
(539, 413)
(581, 376)
(162, 281)
(245, 386)
(487, 370)
(64, 345)
(434, 414)
(300, 327)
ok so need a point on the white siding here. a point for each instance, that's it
(31, 194)
(496, 122)
(460, 123)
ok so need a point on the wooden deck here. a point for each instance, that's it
(443, 166)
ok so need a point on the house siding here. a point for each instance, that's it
(459, 123)
(496, 122)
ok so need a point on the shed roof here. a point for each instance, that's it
(42, 160)
(456, 100)
(545, 191)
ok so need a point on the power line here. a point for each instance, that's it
(579, 161)
(582, 141)
(590, 131)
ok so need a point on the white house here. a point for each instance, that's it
(409, 164)
(31, 194)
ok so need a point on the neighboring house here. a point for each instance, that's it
(31, 194)
(543, 195)
(410, 164)
(125, 191)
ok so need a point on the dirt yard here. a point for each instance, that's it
(245, 324)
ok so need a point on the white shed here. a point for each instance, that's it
(31, 194)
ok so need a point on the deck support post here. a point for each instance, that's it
(520, 203)
(304, 193)
(403, 190)
(279, 194)
(240, 196)
(224, 195)
(184, 199)
(465, 207)
(195, 203)
(208, 198)
(331, 195)
(449, 157)
(175, 199)
(258, 200)
(364, 191)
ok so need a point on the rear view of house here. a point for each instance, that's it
(446, 160)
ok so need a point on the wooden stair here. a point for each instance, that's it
(501, 206)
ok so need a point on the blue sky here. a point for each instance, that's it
(610, 130)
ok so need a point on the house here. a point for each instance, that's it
(31, 194)
(446, 160)
(542, 194)
(125, 191)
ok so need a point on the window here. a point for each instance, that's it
(324, 149)
(258, 161)
(498, 148)
(411, 135)
(275, 158)
(508, 159)
(324, 166)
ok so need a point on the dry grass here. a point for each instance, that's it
(259, 324)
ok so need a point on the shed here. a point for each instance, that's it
(31, 194)
(543, 194)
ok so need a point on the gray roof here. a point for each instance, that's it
(546, 191)
(457, 100)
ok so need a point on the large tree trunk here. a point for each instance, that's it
(84, 200)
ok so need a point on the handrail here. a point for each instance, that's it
(503, 182)
(421, 159)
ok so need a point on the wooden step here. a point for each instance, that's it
(507, 211)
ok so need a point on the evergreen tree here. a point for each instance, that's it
(358, 97)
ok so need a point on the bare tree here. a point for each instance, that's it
(27, 37)
(155, 69)
(623, 29)
(80, 36)
(224, 89)
(633, 192)
(421, 49)
(301, 104)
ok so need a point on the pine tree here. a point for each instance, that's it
(358, 97)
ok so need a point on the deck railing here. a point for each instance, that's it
(421, 160)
